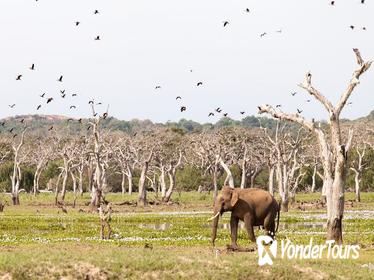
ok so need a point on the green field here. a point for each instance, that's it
(39, 241)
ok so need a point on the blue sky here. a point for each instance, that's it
(145, 43)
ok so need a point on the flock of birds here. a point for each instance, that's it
(182, 108)
(49, 99)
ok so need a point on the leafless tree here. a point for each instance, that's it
(16, 176)
(333, 151)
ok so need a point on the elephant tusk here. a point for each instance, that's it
(215, 216)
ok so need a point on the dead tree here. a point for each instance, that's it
(16, 176)
(333, 152)
(358, 168)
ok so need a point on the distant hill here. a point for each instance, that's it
(39, 124)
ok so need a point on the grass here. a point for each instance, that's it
(38, 241)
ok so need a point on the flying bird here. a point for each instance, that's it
(12, 106)
(225, 23)
(39, 106)
(332, 3)
(211, 114)
(278, 106)
(352, 27)
(183, 108)
(157, 87)
(225, 114)
(32, 67)
(90, 102)
(77, 23)
(42, 96)
(49, 129)
(60, 79)
(299, 111)
(96, 12)
(218, 110)
(293, 93)
(199, 84)
(364, 28)
(97, 38)
(263, 34)
(105, 115)
(247, 10)
(178, 97)
(74, 94)
(73, 107)
(19, 77)
(49, 100)
(242, 112)
(308, 100)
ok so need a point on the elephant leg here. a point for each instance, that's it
(234, 231)
(248, 222)
(269, 225)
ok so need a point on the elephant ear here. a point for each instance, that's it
(234, 198)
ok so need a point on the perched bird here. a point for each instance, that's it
(199, 84)
(73, 107)
(60, 79)
(299, 111)
(211, 114)
(225, 23)
(178, 97)
(49, 100)
(19, 77)
(12, 106)
(183, 108)
(32, 67)
(97, 38)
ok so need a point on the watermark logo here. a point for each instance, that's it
(265, 253)
(268, 249)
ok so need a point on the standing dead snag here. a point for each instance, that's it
(16, 176)
(105, 214)
(332, 150)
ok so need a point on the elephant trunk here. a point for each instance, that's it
(215, 224)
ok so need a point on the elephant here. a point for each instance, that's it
(255, 207)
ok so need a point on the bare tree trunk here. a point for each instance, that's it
(123, 183)
(271, 180)
(129, 180)
(314, 178)
(244, 175)
(142, 198)
(228, 172)
(162, 182)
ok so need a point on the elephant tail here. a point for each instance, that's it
(276, 230)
